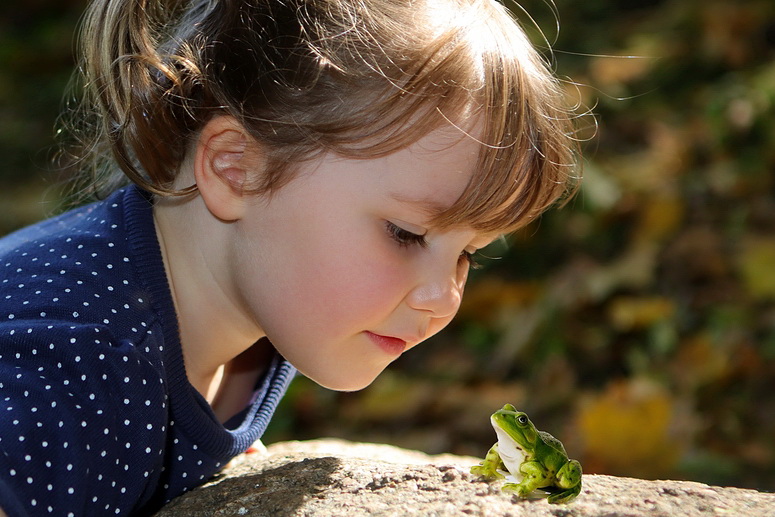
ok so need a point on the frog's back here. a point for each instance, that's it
(553, 442)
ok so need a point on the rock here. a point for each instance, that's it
(333, 477)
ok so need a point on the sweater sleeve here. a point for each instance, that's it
(81, 421)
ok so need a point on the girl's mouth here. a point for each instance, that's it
(391, 345)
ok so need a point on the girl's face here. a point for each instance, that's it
(341, 269)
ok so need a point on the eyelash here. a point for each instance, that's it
(405, 239)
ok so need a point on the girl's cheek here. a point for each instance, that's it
(382, 272)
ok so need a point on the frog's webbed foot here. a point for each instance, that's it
(486, 472)
(564, 496)
(518, 488)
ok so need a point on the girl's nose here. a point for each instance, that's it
(440, 296)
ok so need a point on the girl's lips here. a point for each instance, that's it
(392, 345)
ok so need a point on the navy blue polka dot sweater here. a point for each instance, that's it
(97, 416)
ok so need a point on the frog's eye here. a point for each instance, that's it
(522, 419)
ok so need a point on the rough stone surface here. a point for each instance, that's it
(332, 477)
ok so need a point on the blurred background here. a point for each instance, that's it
(636, 324)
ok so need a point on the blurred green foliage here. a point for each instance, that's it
(637, 323)
(36, 61)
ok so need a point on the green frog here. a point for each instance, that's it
(535, 459)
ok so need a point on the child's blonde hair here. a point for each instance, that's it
(359, 78)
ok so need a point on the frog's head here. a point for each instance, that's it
(510, 424)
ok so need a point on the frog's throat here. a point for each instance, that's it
(511, 453)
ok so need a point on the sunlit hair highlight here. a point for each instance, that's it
(358, 78)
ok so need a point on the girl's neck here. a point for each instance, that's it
(216, 339)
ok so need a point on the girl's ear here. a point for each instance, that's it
(223, 166)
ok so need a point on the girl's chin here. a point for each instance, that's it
(343, 380)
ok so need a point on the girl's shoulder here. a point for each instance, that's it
(74, 229)
(83, 252)
(94, 267)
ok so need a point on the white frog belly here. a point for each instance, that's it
(511, 455)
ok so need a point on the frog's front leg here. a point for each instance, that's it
(568, 478)
(490, 466)
(535, 476)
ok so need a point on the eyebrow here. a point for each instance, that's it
(431, 207)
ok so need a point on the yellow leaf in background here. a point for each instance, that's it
(699, 362)
(660, 217)
(486, 298)
(627, 430)
(756, 263)
(632, 313)
(614, 70)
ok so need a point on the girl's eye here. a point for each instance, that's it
(404, 238)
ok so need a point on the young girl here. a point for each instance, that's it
(310, 180)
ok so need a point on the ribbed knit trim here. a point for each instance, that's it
(190, 411)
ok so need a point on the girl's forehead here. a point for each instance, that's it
(434, 171)
(449, 136)
(447, 147)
